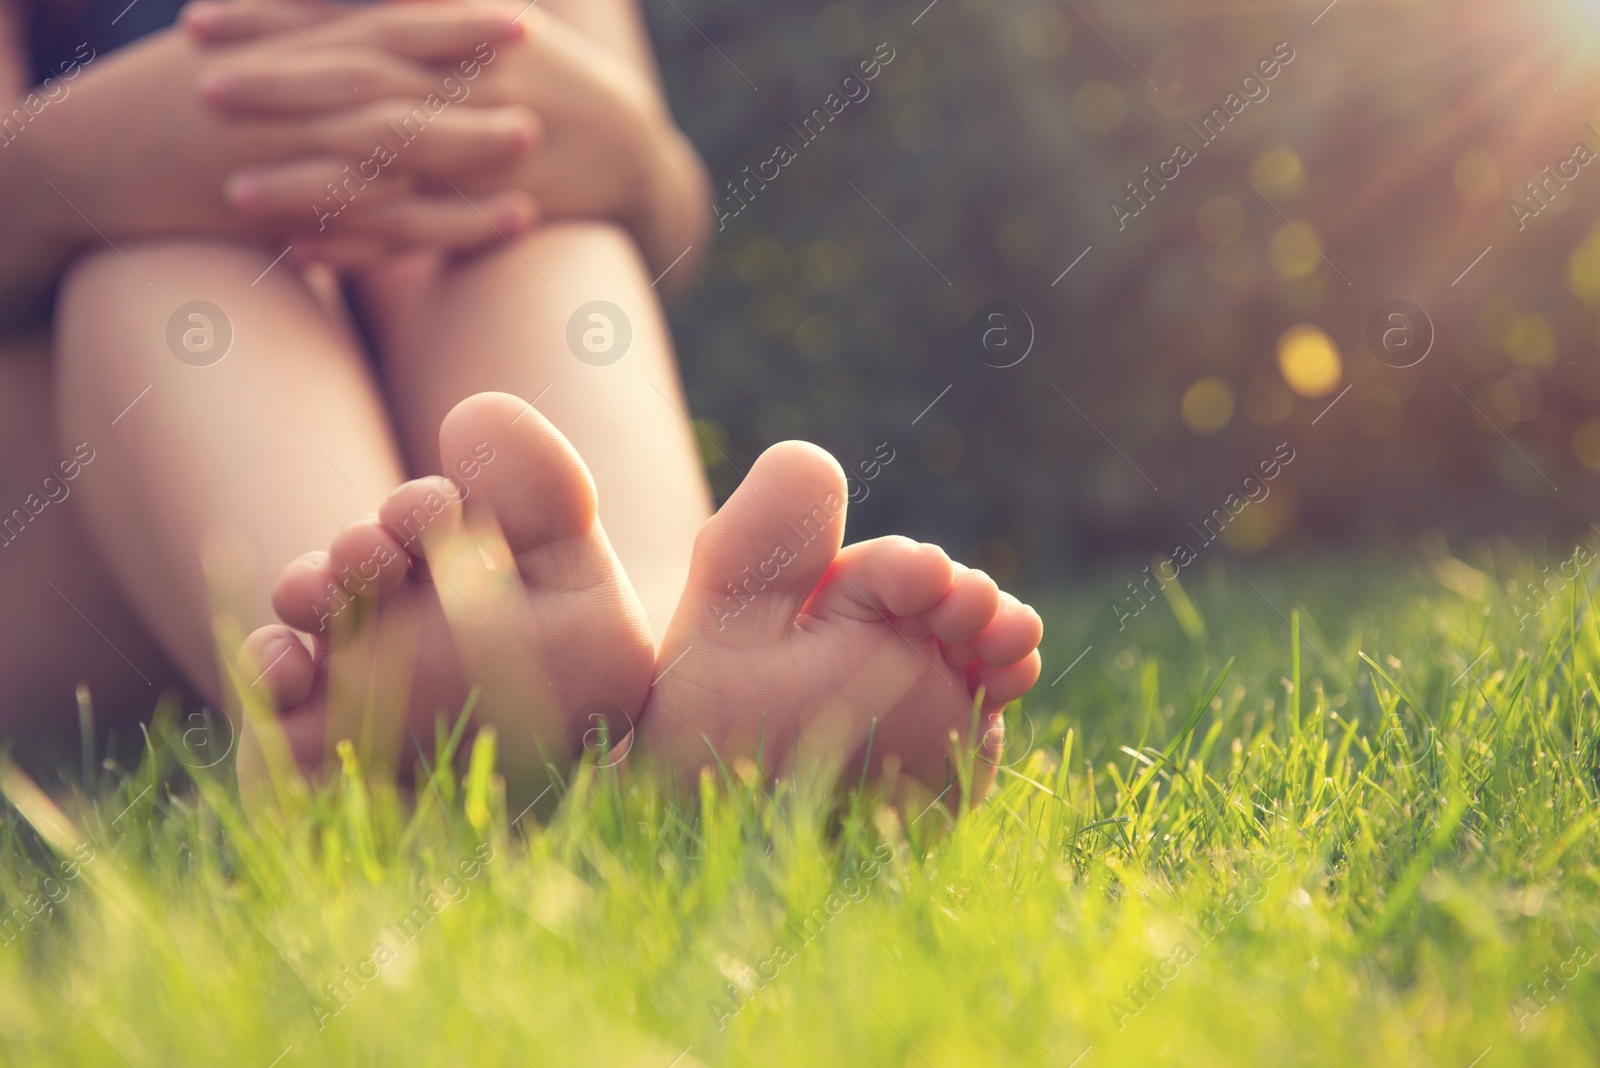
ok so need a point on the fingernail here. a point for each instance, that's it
(201, 14)
(517, 125)
(242, 190)
(515, 217)
(215, 87)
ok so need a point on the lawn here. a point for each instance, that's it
(1333, 813)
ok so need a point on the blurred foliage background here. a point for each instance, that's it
(1219, 322)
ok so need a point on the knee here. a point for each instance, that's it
(597, 238)
(157, 268)
(91, 279)
(109, 296)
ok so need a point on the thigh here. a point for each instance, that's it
(62, 619)
(236, 426)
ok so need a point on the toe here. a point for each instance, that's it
(1014, 631)
(366, 562)
(762, 555)
(422, 514)
(968, 607)
(273, 662)
(893, 574)
(508, 461)
(303, 593)
(275, 665)
(1004, 683)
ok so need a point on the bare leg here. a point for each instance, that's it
(66, 621)
(240, 465)
(500, 322)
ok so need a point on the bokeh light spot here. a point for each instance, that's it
(826, 264)
(1043, 33)
(905, 73)
(1277, 172)
(1528, 396)
(1309, 360)
(711, 436)
(1530, 341)
(1221, 220)
(1207, 406)
(1586, 444)
(1260, 525)
(759, 260)
(1296, 249)
(1099, 107)
(1583, 269)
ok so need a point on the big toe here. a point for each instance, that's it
(508, 461)
(757, 560)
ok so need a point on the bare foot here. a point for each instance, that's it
(786, 647)
(499, 579)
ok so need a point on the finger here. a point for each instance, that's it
(444, 221)
(217, 22)
(417, 138)
(428, 32)
(306, 189)
(344, 254)
(298, 83)
(431, 32)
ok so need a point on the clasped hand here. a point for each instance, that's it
(356, 132)
(598, 143)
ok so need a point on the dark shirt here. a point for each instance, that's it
(56, 29)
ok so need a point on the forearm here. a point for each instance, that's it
(40, 233)
(674, 218)
(672, 212)
(65, 148)
(35, 238)
(615, 25)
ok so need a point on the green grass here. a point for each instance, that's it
(1367, 868)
